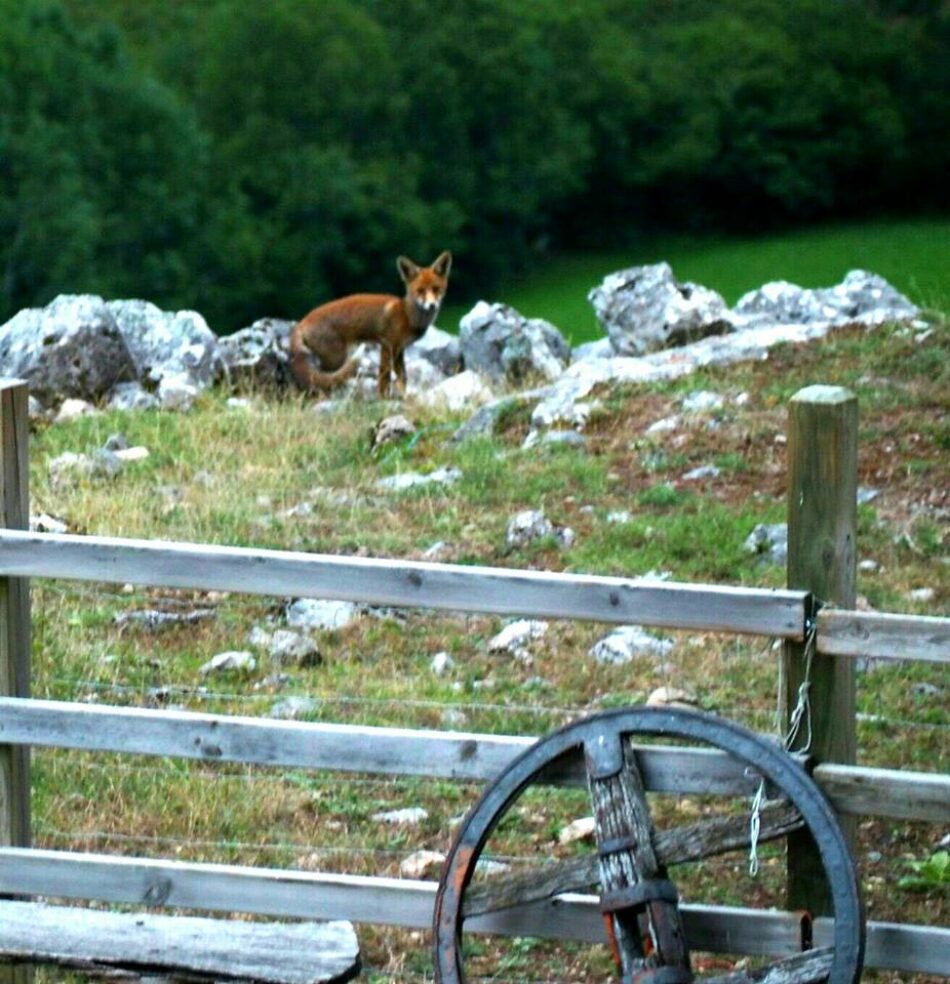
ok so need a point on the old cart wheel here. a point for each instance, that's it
(639, 903)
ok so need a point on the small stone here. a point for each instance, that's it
(466, 389)
(126, 455)
(491, 869)
(581, 829)
(152, 620)
(233, 660)
(72, 408)
(663, 426)
(515, 636)
(620, 516)
(770, 541)
(869, 566)
(441, 663)
(866, 495)
(44, 523)
(422, 864)
(312, 613)
(116, 442)
(701, 401)
(922, 594)
(627, 642)
(671, 697)
(412, 480)
(131, 396)
(532, 525)
(409, 817)
(391, 429)
(238, 403)
(926, 690)
(704, 471)
(288, 648)
(292, 708)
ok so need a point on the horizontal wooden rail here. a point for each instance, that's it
(339, 747)
(883, 636)
(408, 903)
(438, 754)
(404, 583)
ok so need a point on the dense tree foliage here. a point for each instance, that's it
(254, 158)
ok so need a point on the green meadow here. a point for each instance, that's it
(914, 255)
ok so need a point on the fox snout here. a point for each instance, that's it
(429, 301)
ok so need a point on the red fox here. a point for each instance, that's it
(392, 322)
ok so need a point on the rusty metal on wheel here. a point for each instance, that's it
(638, 900)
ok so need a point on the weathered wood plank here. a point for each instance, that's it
(209, 949)
(897, 946)
(347, 748)
(375, 900)
(580, 873)
(822, 517)
(408, 903)
(404, 583)
(861, 791)
(883, 636)
(463, 756)
(14, 625)
(628, 862)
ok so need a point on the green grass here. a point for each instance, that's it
(914, 255)
(230, 476)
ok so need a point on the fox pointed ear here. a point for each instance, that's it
(443, 264)
(407, 269)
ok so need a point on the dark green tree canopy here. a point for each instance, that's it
(252, 159)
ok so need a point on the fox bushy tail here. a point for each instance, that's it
(315, 380)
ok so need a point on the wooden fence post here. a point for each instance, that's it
(14, 626)
(822, 506)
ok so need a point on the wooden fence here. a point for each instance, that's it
(822, 560)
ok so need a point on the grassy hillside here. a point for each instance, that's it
(914, 255)
(277, 473)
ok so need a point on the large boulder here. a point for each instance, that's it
(507, 347)
(163, 343)
(257, 356)
(71, 348)
(861, 298)
(645, 309)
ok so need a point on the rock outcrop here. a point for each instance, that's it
(645, 308)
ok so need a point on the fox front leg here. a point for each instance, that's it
(400, 364)
(384, 380)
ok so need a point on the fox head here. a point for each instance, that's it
(426, 286)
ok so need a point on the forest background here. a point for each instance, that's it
(249, 158)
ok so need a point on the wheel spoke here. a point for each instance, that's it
(676, 846)
(639, 903)
(804, 968)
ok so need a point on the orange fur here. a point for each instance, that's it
(392, 322)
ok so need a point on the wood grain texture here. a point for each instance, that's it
(854, 790)
(877, 635)
(897, 946)
(898, 794)
(404, 583)
(822, 511)
(15, 626)
(581, 873)
(348, 748)
(408, 903)
(207, 949)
